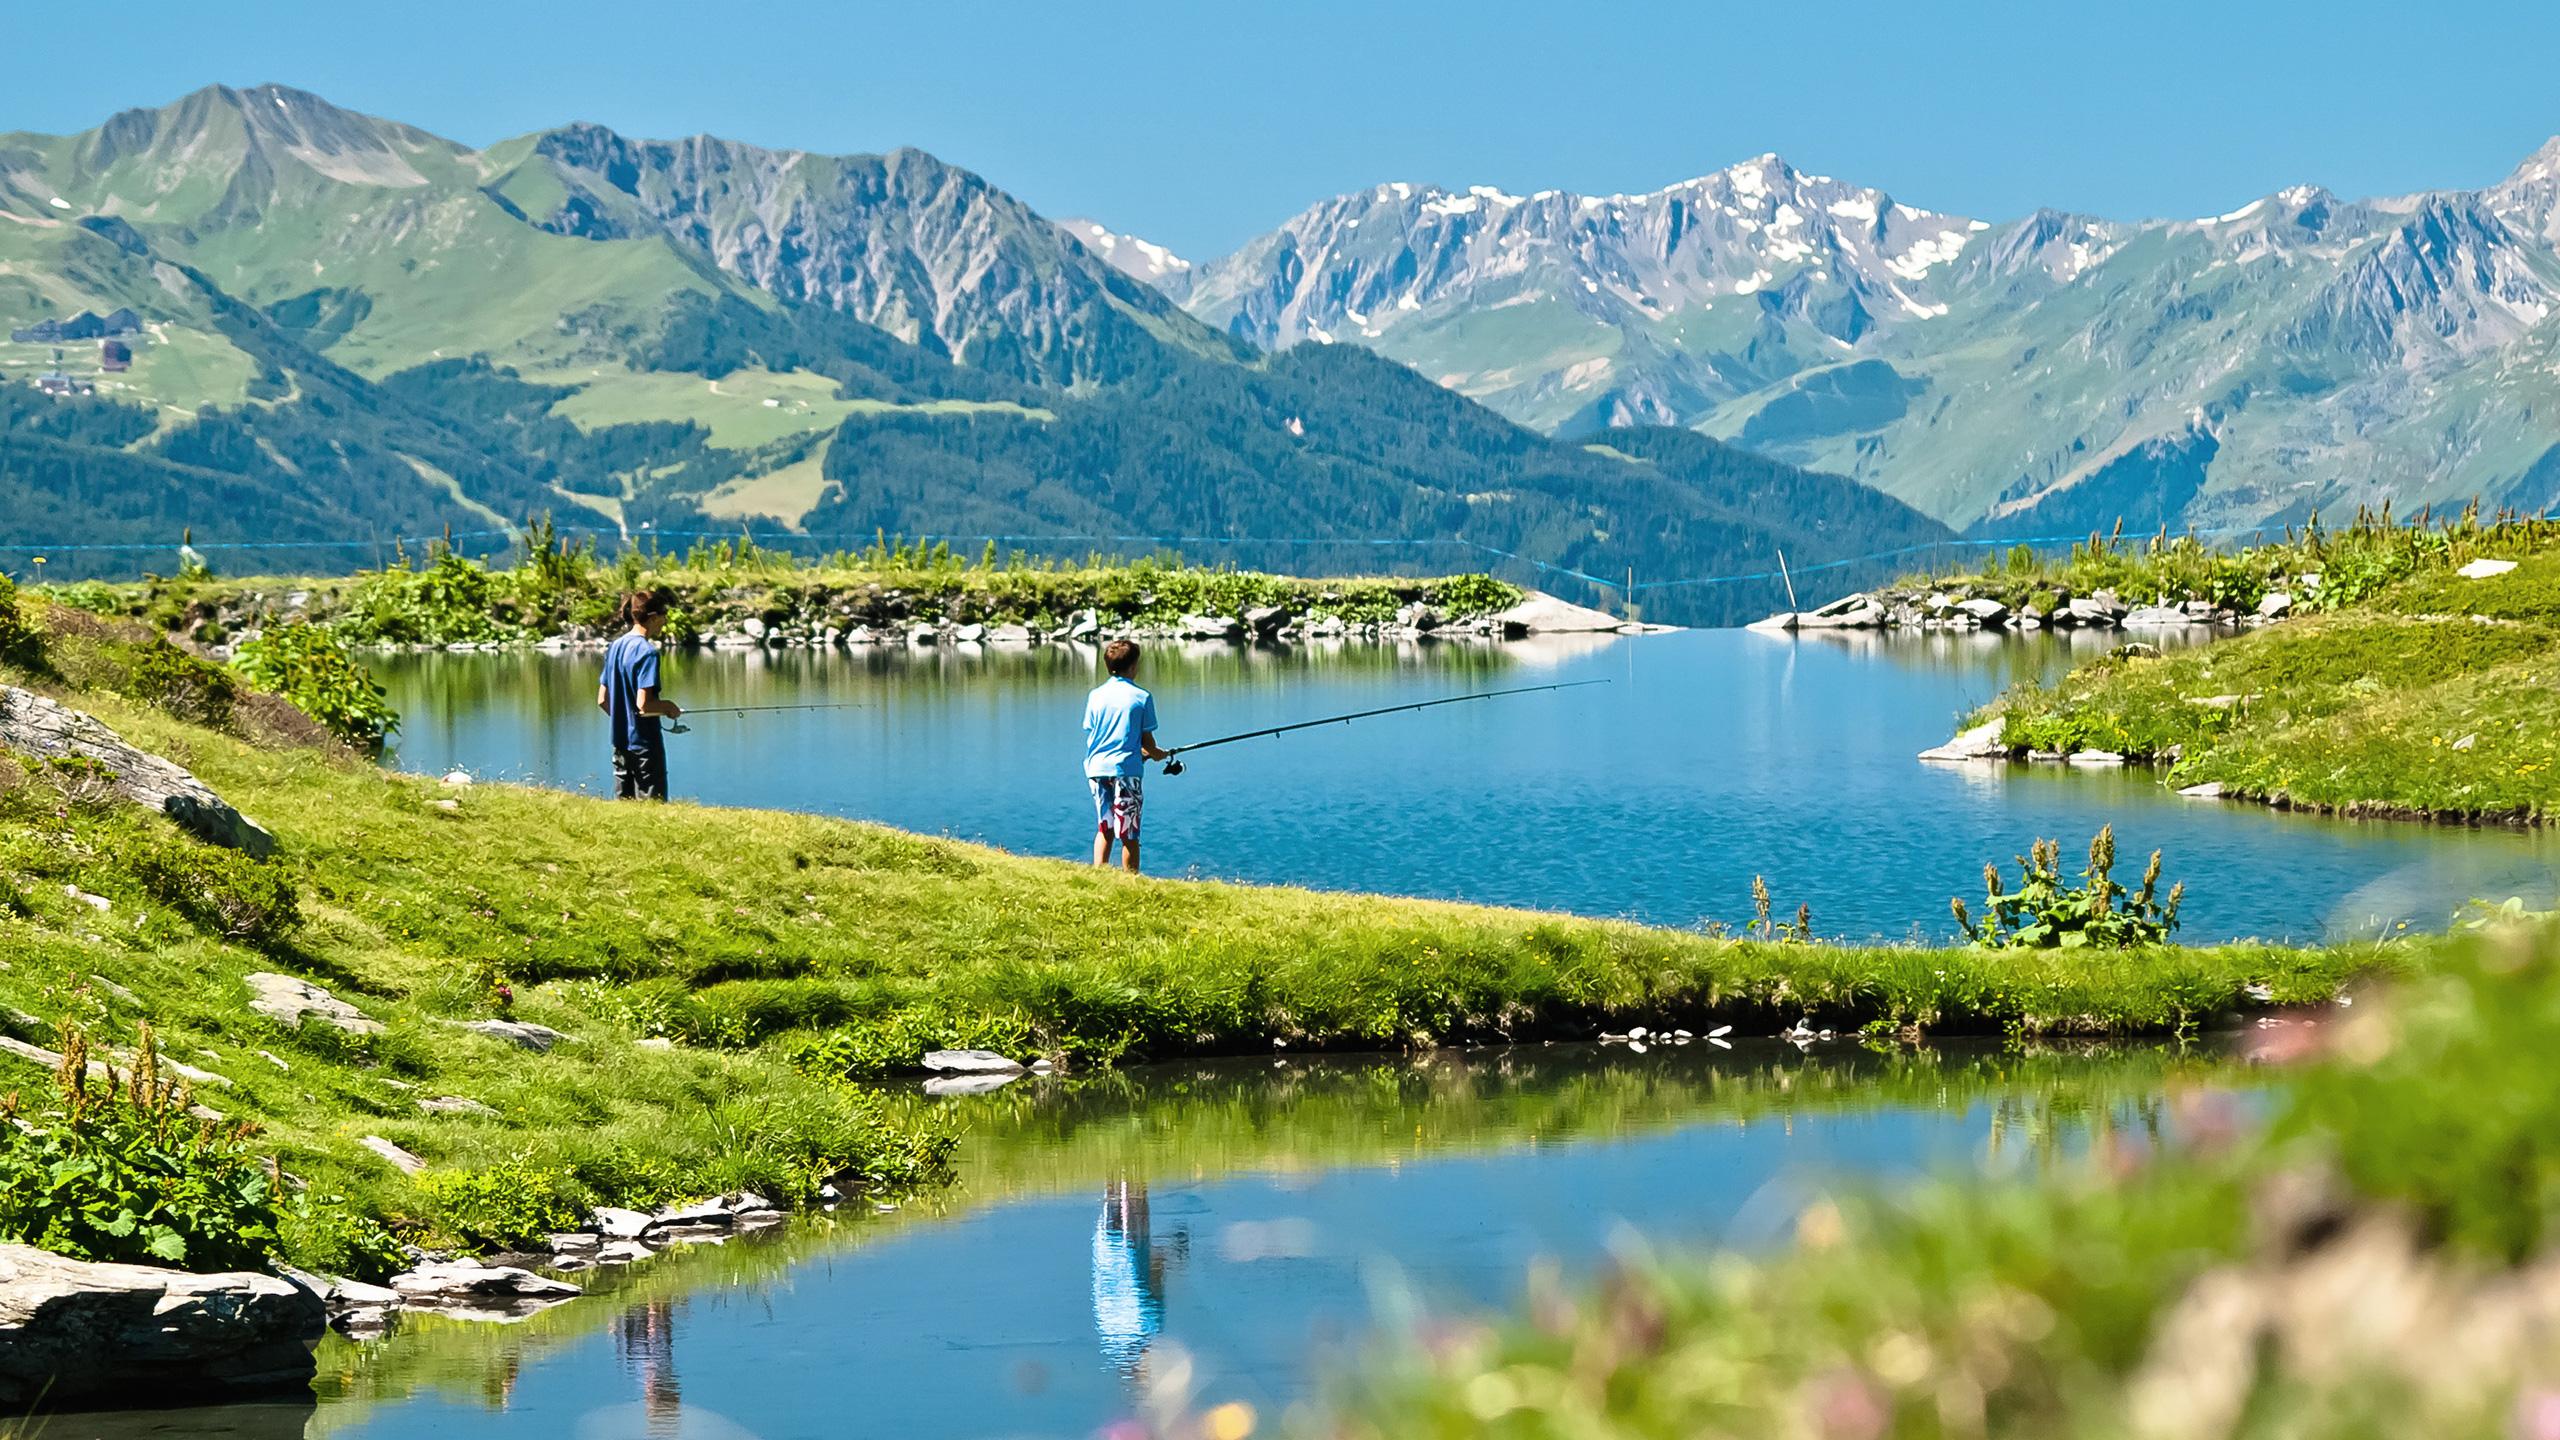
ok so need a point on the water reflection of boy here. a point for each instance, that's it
(646, 1337)
(1128, 1278)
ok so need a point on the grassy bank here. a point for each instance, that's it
(720, 975)
(2374, 1260)
(553, 589)
(2424, 694)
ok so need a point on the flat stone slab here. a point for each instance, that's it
(2485, 569)
(72, 1330)
(287, 999)
(517, 1032)
(50, 730)
(971, 1062)
(1982, 742)
(402, 1160)
(1539, 613)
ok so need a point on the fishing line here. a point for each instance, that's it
(1173, 765)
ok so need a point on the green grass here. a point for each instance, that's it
(2372, 1262)
(779, 951)
(2426, 694)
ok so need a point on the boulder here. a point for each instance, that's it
(288, 1000)
(1782, 621)
(2096, 757)
(1266, 620)
(1009, 635)
(1849, 612)
(467, 1285)
(77, 1331)
(2209, 790)
(1087, 625)
(754, 628)
(2484, 569)
(1539, 613)
(2101, 609)
(2275, 605)
(33, 725)
(971, 1062)
(1984, 610)
(2158, 617)
(685, 1217)
(1982, 742)
(517, 1032)
(1209, 627)
(970, 634)
(922, 635)
(615, 1223)
(1418, 616)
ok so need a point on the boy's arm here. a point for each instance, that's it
(604, 697)
(650, 704)
(1147, 746)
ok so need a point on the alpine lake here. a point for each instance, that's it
(1129, 1244)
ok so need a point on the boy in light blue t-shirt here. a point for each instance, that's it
(1119, 738)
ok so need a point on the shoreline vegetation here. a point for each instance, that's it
(554, 1003)
(738, 595)
(2384, 670)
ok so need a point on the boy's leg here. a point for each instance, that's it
(1101, 819)
(1126, 808)
(625, 785)
(652, 768)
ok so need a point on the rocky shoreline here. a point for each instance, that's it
(1536, 613)
(2056, 608)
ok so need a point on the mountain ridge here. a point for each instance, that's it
(2337, 351)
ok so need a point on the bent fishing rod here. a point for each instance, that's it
(1173, 765)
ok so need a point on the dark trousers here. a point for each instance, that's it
(640, 774)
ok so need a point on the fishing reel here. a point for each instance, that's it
(1173, 767)
(675, 727)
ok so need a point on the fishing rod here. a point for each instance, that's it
(1173, 766)
(678, 727)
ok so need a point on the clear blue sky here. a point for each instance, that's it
(1199, 124)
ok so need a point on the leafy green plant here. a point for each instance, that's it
(501, 1206)
(171, 680)
(18, 638)
(115, 1168)
(313, 668)
(2047, 912)
(326, 1232)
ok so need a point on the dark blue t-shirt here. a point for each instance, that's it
(631, 666)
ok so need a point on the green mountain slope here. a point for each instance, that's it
(382, 332)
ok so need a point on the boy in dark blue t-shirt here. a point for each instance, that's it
(628, 695)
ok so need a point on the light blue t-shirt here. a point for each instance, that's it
(1115, 715)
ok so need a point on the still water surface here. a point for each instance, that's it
(1218, 1232)
(1711, 756)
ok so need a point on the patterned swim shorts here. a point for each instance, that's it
(1116, 802)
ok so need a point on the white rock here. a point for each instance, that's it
(615, 1223)
(1982, 742)
(2096, 757)
(405, 1162)
(1539, 613)
(2484, 569)
(2209, 790)
(75, 1331)
(452, 1281)
(971, 1062)
(457, 778)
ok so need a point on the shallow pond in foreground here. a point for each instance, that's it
(1212, 1233)
(1711, 756)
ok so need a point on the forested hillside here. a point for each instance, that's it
(354, 331)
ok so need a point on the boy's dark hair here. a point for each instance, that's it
(640, 605)
(1120, 656)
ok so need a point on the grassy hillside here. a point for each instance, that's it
(2406, 688)
(720, 974)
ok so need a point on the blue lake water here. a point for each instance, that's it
(1710, 757)
(1214, 1233)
